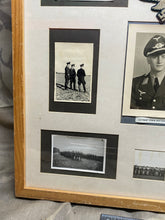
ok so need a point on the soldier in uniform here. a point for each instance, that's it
(148, 90)
(73, 77)
(81, 75)
(67, 74)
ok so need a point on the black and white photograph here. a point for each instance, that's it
(78, 153)
(104, 3)
(149, 165)
(74, 56)
(144, 89)
(73, 69)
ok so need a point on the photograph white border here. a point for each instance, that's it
(153, 162)
(133, 29)
(77, 67)
(75, 169)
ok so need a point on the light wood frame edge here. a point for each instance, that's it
(19, 138)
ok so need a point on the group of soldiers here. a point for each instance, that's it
(70, 76)
(149, 171)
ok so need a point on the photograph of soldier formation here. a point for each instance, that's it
(148, 89)
(85, 154)
(73, 72)
(149, 165)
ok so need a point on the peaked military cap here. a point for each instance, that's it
(155, 45)
(73, 65)
(82, 65)
(68, 63)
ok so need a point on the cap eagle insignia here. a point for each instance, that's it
(160, 8)
(158, 46)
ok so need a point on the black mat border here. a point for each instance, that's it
(74, 36)
(112, 145)
(116, 3)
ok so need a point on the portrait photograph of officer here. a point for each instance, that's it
(148, 90)
(144, 89)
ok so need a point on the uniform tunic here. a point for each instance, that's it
(73, 78)
(144, 96)
(81, 75)
(67, 75)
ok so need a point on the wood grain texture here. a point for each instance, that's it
(19, 138)
(18, 92)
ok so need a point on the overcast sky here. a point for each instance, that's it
(95, 146)
(76, 53)
(150, 158)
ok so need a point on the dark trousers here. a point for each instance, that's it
(66, 82)
(73, 81)
(79, 84)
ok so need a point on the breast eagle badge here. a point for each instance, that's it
(158, 7)
(141, 92)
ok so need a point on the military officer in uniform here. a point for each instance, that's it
(148, 90)
(73, 77)
(67, 74)
(81, 75)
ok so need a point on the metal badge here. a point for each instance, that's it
(158, 7)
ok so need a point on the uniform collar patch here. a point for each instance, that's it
(145, 81)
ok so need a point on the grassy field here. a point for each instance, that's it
(84, 164)
(71, 95)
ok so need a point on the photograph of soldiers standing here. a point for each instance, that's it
(67, 74)
(149, 164)
(73, 77)
(70, 77)
(73, 83)
(81, 78)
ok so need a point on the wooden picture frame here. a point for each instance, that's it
(22, 189)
